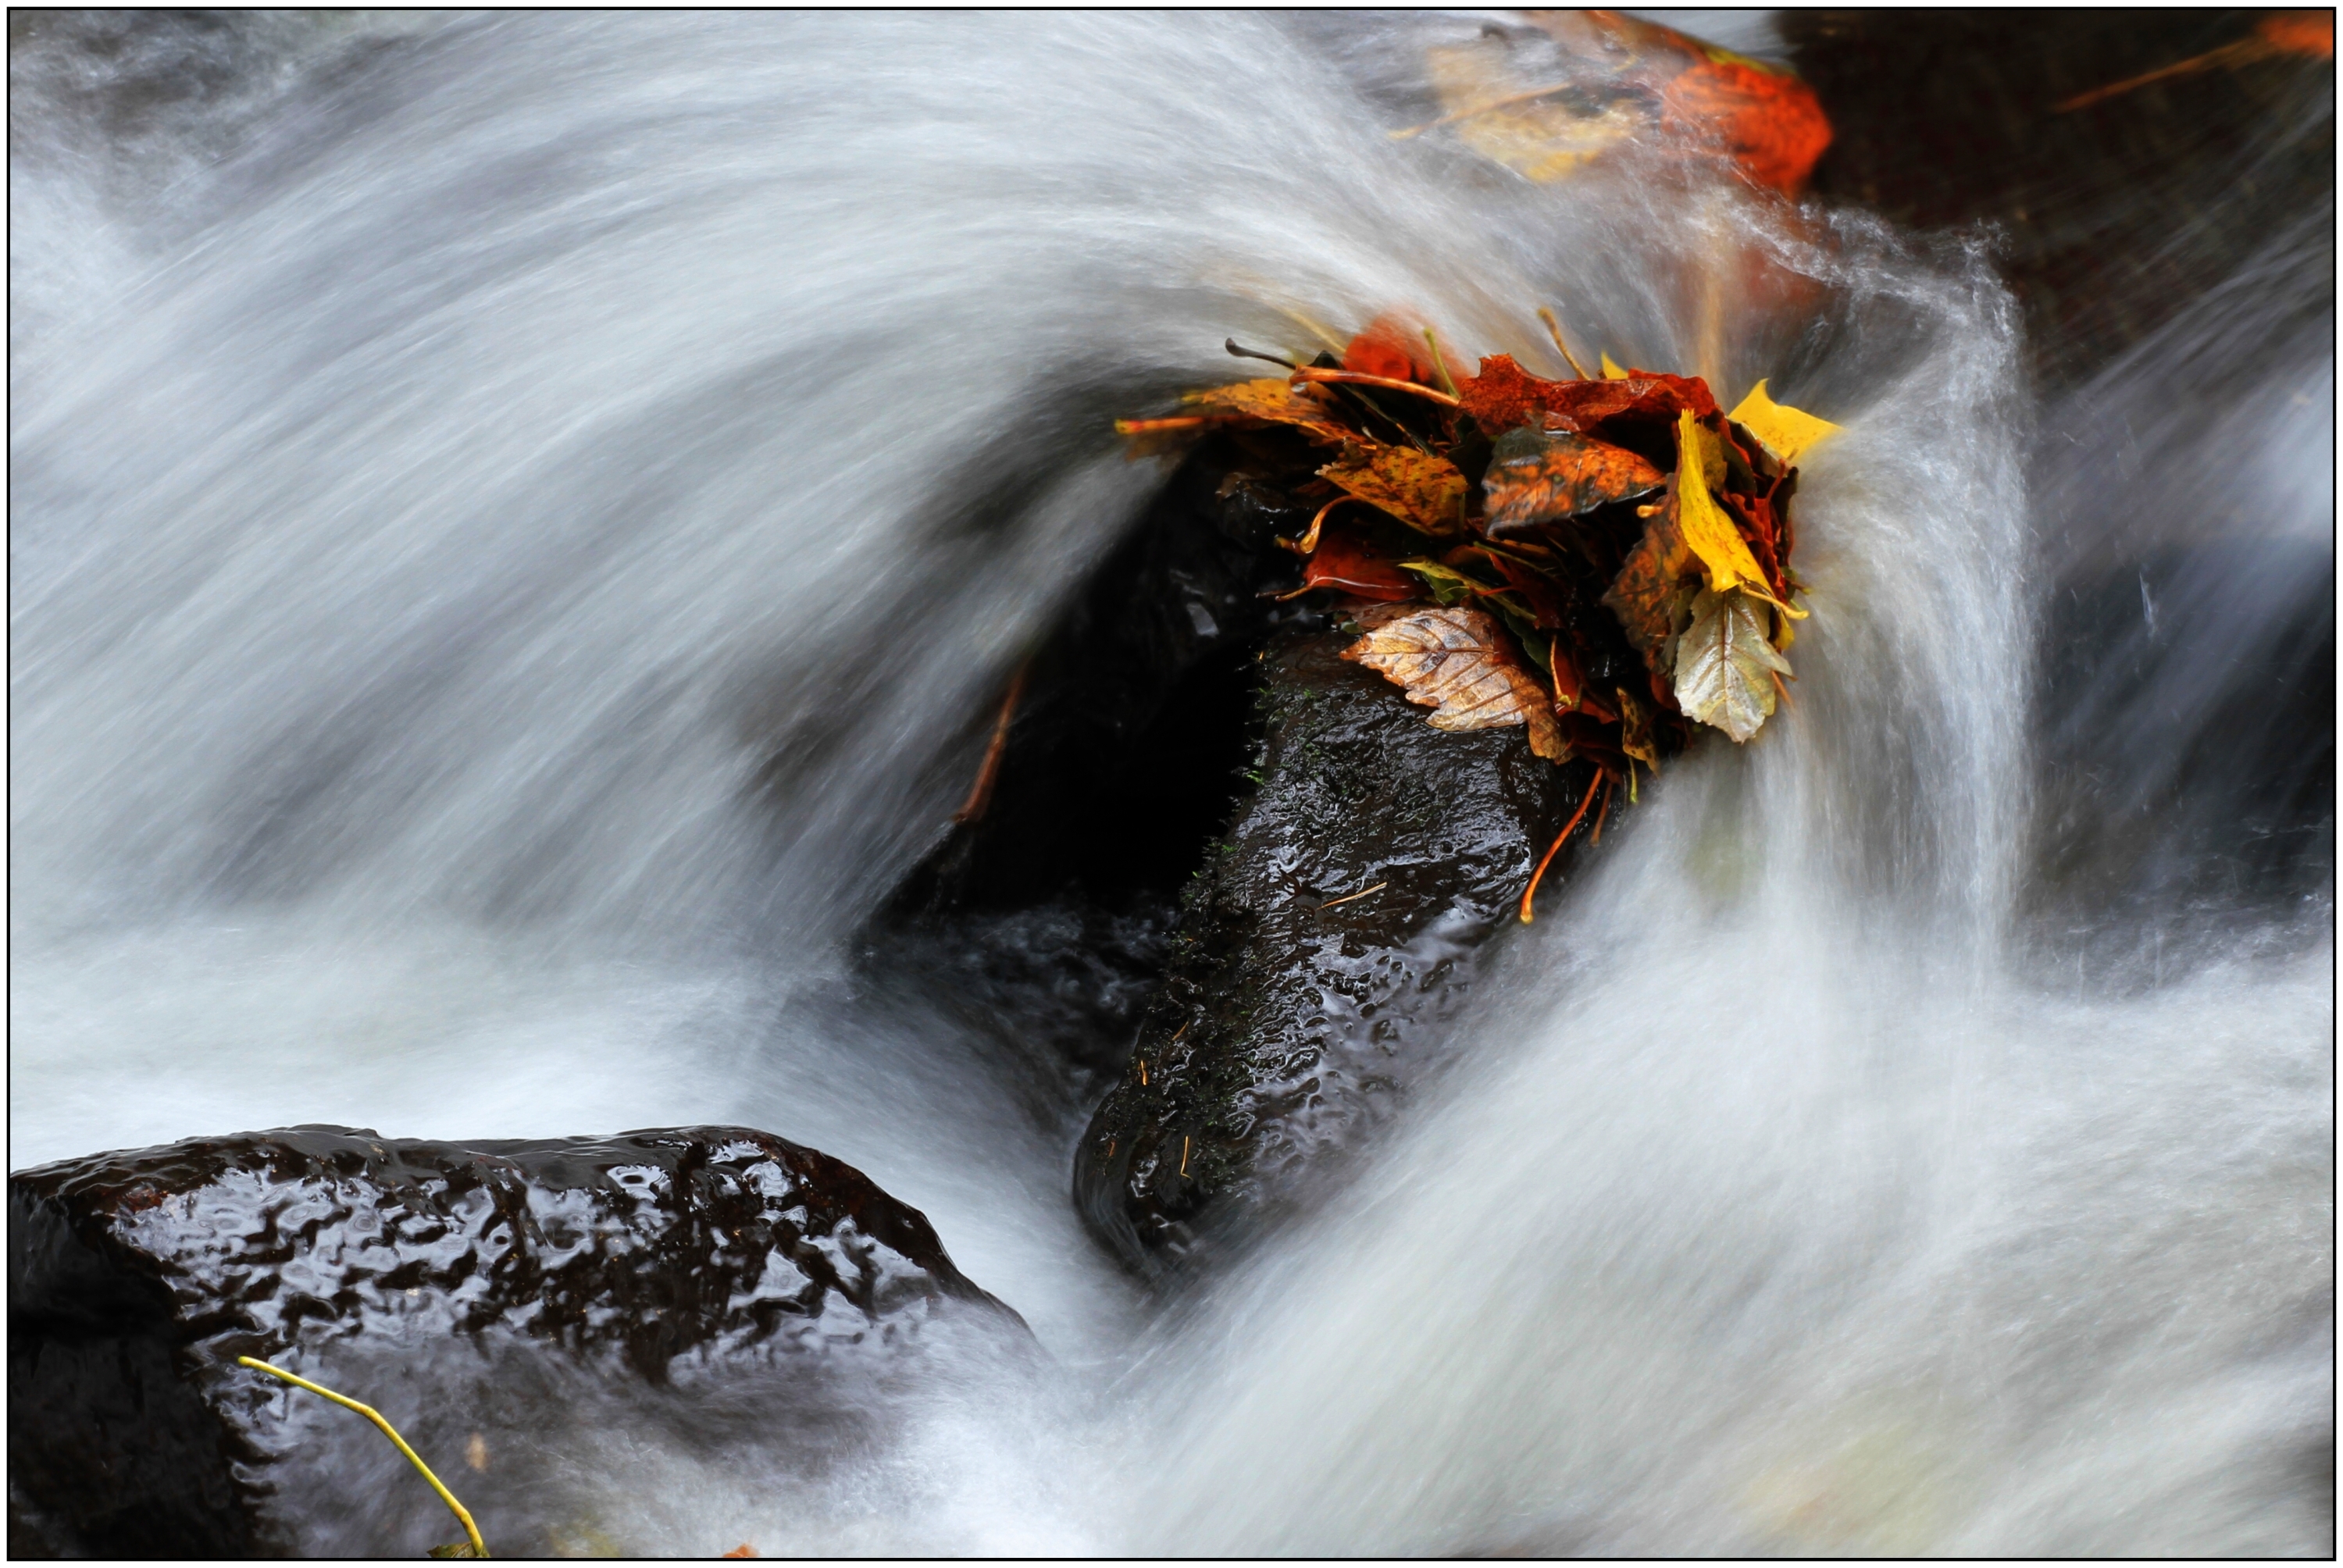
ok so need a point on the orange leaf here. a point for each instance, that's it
(1455, 662)
(1393, 346)
(1537, 478)
(1768, 122)
(2306, 33)
(1425, 492)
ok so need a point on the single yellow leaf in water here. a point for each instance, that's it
(1455, 662)
(1786, 431)
(1611, 371)
(1724, 666)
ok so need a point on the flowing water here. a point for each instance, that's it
(518, 528)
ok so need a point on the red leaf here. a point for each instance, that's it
(1504, 397)
(1346, 561)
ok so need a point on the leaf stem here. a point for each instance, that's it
(462, 1515)
(1234, 348)
(1439, 363)
(979, 794)
(1309, 541)
(2243, 52)
(1361, 893)
(1554, 327)
(1361, 378)
(1539, 875)
(1175, 422)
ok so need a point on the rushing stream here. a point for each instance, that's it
(517, 529)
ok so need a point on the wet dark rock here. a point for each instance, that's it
(1123, 756)
(1046, 924)
(1143, 914)
(499, 1301)
(1299, 1004)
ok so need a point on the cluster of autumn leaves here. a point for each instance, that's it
(1605, 560)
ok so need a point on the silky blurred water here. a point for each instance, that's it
(518, 525)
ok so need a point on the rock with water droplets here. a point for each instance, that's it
(507, 1305)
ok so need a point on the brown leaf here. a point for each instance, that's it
(1648, 595)
(1425, 492)
(1276, 400)
(1635, 738)
(1535, 478)
(1455, 662)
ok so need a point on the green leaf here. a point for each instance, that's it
(1448, 585)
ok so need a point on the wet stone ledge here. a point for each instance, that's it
(499, 1301)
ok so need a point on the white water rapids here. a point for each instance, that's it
(518, 527)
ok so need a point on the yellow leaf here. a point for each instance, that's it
(1544, 133)
(1786, 431)
(1611, 371)
(1724, 666)
(1425, 492)
(1455, 662)
(1700, 462)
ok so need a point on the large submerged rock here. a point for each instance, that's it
(492, 1300)
(1319, 953)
